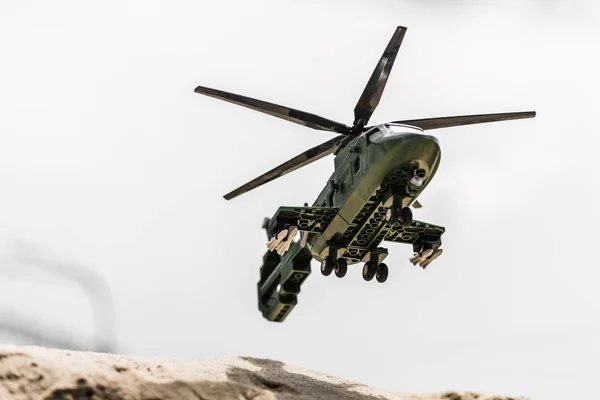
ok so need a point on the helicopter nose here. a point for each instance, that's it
(407, 148)
(431, 141)
(410, 141)
(429, 145)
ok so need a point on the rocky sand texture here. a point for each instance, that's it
(40, 373)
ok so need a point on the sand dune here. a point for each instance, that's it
(39, 373)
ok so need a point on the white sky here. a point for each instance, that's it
(109, 160)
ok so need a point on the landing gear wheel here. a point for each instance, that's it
(391, 215)
(341, 267)
(368, 271)
(382, 273)
(327, 266)
(406, 217)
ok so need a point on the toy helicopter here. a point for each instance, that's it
(379, 171)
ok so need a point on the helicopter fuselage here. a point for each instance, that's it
(372, 171)
(379, 173)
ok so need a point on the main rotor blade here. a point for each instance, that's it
(300, 160)
(372, 93)
(447, 122)
(290, 114)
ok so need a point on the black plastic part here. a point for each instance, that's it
(327, 265)
(406, 217)
(391, 215)
(448, 122)
(276, 110)
(368, 271)
(371, 95)
(425, 244)
(341, 267)
(293, 164)
(382, 273)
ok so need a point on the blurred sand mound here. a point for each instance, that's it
(39, 373)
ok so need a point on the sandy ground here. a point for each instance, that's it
(40, 373)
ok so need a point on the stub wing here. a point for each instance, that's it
(426, 239)
(305, 219)
(417, 233)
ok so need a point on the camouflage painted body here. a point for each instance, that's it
(364, 173)
(379, 172)
(347, 219)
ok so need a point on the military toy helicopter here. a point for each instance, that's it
(379, 171)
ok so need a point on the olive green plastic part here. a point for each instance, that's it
(347, 220)
(280, 281)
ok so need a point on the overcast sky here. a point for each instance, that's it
(109, 161)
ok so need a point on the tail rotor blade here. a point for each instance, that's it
(289, 114)
(447, 122)
(372, 93)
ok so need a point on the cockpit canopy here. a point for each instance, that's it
(384, 132)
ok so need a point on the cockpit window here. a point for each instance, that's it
(382, 133)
